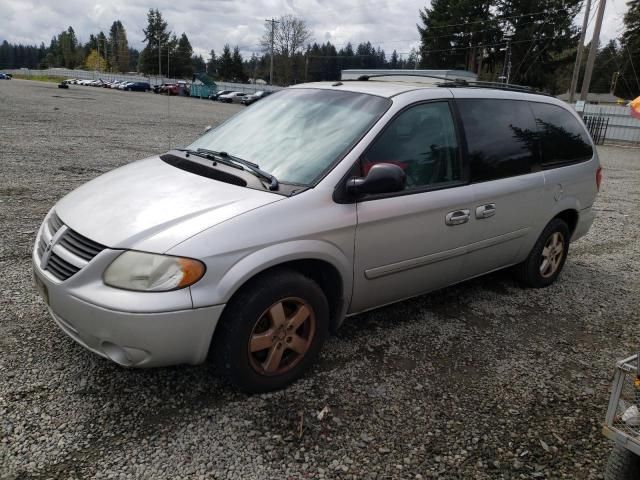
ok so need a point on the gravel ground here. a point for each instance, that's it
(483, 380)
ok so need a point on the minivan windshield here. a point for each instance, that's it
(297, 134)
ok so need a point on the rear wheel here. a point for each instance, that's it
(547, 257)
(272, 331)
(622, 465)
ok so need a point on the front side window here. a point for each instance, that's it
(501, 137)
(562, 138)
(422, 141)
(297, 134)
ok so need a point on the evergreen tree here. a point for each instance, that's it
(394, 62)
(198, 64)
(225, 65)
(212, 63)
(181, 65)
(629, 84)
(542, 43)
(118, 47)
(158, 41)
(453, 32)
(237, 66)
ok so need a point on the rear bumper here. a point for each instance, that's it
(585, 220)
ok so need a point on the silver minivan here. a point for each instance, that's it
(319, 202)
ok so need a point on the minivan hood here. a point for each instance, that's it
(150, 205)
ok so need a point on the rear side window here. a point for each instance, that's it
(501, 137)
(562, 138)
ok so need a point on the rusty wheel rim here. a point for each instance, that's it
(552, 255)
(282, 336)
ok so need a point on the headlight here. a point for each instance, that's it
(150, 272)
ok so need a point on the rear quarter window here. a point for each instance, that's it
(501, 137)
(563, 140)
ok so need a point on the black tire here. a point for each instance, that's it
(529, 272)
(245, 312)
(622, 465)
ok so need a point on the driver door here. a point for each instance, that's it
(413, 241)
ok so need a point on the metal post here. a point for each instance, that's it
(586, 83)
(576, 67)
(159, 61)
(306, 67)
(273, 26)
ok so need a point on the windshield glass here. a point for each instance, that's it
(296, 134)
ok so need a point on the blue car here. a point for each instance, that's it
(138, 87)
(5, 76)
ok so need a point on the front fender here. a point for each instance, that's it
(271, 256)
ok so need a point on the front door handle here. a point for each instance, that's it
(486, 211)
(457, 217)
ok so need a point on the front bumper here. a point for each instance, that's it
(130, 336)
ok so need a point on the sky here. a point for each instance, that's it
(390, 24)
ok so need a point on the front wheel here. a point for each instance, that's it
(547, 257)
(622, 465)
(271, 331)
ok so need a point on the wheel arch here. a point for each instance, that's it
(320, 261)
(570, 217)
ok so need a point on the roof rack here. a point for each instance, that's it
(462, 83)
(510, 87)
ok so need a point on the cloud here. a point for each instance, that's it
(389, 24)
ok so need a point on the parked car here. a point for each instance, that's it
(233, 97)
(4, 76)
(138, 87)
(215, 95)
(254, 97)
(348, 196)
(124, 85)
(63, 84)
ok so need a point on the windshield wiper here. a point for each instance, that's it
(209, 155)
(255, 168)
(235, 162)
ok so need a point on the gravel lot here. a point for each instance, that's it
(483, 380)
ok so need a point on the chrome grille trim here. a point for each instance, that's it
(62, 251)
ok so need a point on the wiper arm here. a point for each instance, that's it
(252, 167)
(235, 162)
(215, 157)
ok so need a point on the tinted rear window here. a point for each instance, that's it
(562, 139)
(501, 137)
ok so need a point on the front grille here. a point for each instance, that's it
(71, 252)
(80, 246)
(60, 268)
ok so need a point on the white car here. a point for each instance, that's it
(233, 97)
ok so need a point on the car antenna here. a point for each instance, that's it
(168, 113)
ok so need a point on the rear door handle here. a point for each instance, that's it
(486, 211)
(457, 217)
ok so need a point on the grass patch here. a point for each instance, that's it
(39, 78)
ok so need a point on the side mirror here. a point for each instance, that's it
(207, 128)
(382, 178)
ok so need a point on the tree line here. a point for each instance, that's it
(539, 37)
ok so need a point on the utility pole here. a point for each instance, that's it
(306, 67)
(592, 52)
(273, 28)
(159, 61)
(614, 82)
(168, 71)
(576, 67)
(506, 67)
